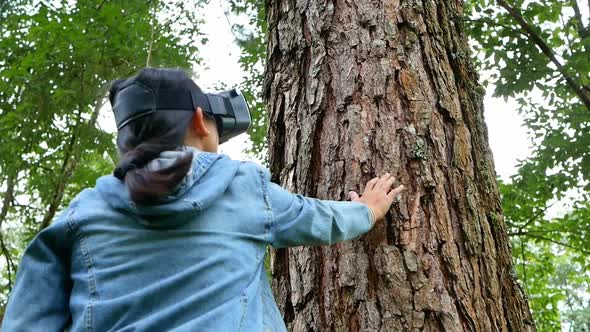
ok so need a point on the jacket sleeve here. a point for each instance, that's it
(39, 300)
(299, 220)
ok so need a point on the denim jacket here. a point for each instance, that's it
(195, 262)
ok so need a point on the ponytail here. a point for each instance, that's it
(145, 186)
(143, 139)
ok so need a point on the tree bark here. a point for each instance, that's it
(358, 88)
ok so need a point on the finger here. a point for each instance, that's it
(353, 196)
(381, 181)
(392, 194)
(385, 186)
(371, 184)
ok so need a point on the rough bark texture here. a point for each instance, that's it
(358, 88)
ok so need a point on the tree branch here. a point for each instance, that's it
(231, 26)
(534, 36)
(67, 169)
(71, 157)
(149, 54)
(66, 166)
(532, 219)
(523, 257)
(69, 166)
(539, 237)
(100, 6)
(485, 20)
(6, 203)
(568, 36)
(540, 231)
(582, 30)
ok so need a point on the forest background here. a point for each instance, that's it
(57, 58)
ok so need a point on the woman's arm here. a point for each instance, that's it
(300, 220)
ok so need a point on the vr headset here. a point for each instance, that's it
(229, 108)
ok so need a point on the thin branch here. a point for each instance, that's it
(517, 16)
(26, 206)
(534, 236)
(485, 20)
(526, 285)
(100, 6)
(70, 161)
(4, 9)
(534, 218)
(153, 20)
(578, 16)
(7, 202)
(69, 165)
(231, 26)
(568, 297)
(568, 36)
(97, 106)
(540, 231)
(67, 169)
(582, 30)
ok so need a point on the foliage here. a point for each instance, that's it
(523, 70)
(544, 63)
(555, 283)
(551, 257)
(56, 60)
(251, 39)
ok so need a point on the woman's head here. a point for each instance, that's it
(143, 139)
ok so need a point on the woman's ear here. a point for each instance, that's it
(198, 123)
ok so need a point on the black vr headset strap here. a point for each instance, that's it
(218, 104)
(200, 100)
(181, 100)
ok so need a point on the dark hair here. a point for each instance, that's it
(143, 139)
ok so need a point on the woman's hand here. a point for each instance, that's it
(378, 195)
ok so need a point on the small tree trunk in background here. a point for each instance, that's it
(359, 88)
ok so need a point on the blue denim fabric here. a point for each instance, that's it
(193, 263)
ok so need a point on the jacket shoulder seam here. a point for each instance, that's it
(89, 264)
(269, 222)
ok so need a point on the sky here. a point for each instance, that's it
(507, 136)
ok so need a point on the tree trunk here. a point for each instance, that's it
(356, 88)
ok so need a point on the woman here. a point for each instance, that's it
(176, 239)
